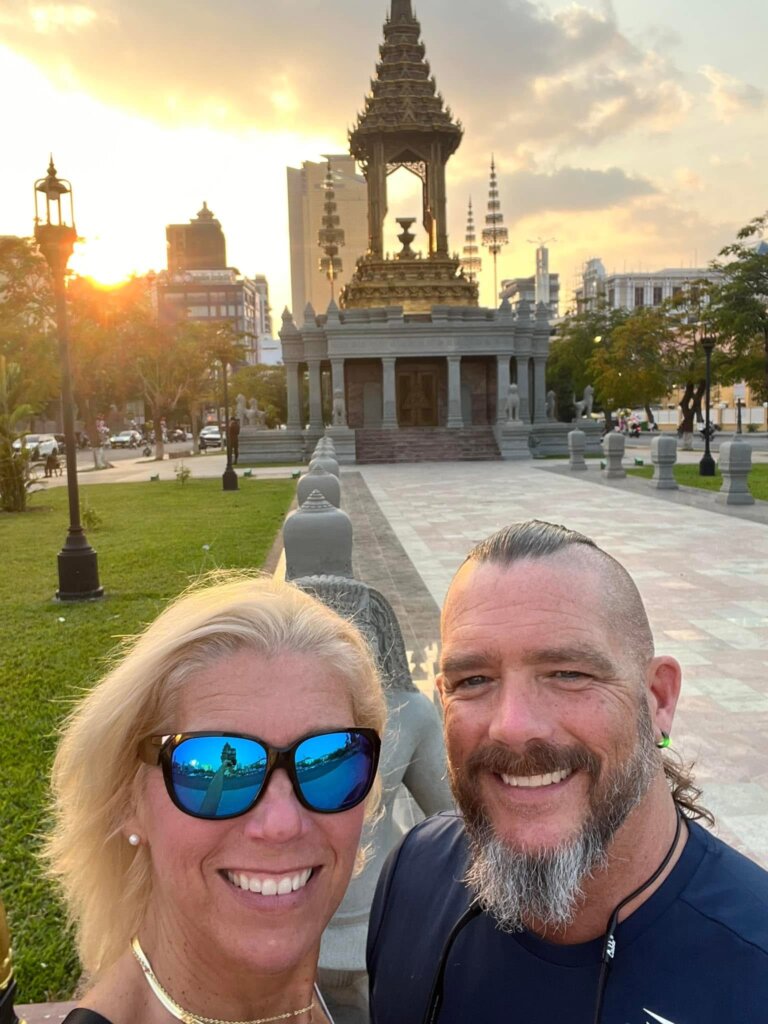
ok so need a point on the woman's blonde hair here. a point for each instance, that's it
(106, 882)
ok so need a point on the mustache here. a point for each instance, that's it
(537, 758)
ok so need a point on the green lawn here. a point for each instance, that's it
(154, 537)
(688, 476)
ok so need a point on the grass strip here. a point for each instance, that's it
(687, 475)
(153, 539)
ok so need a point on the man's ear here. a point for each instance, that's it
(440, 684)
(663, 681)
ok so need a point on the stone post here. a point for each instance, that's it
(389, 403)
(317, 539)
(735, 465)
(664, 457)
(577, 443)
(502, 387)
(454, 392)
(613, 447)
(315, 396)
(294, 396)
(319, 479)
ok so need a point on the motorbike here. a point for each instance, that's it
(146, 451)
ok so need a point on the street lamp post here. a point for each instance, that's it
(707, 463)
(56, 236)
(229, 476)
(739, 406)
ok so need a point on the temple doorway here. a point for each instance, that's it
(417, 396)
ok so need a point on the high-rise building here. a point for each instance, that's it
(199, 285)
(306, 201)
(634, 289)
(542, 287)
(199, 245)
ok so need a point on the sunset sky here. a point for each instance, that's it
(632, 131)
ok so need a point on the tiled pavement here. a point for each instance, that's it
(702, 575)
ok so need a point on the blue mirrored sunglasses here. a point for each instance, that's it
(218, 775)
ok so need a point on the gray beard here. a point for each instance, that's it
(547, 886)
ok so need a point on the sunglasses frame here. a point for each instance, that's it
(158, 750)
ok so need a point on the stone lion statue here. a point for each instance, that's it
(255, 416)
(584, 407)
(513, 404)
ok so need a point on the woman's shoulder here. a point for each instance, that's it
(83, 1016)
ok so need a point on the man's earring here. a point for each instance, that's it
(134, 839)
(664, 742)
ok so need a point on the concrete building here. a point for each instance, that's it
(199, 286)
(637, 288)
(199, 245)
(544, 286)
(306, 198)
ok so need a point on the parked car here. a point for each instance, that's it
(125, 439)
(210, 437)
(178, 434)
(39, 446)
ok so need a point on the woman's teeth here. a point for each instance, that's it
(533, 781)
(270, 885)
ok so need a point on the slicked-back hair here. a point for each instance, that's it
(535, 539)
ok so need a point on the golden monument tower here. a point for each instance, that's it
(405, 124)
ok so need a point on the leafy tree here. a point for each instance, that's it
(568, 367)
(14, 466)
(267, 385)
(631, 367)
(26, 320)
(739, 307)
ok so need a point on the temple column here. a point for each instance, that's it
(294, 396)
(539, 389)
(389, 398)
(315, 396)
(438, 198)
(337, 382)
(522, 388)
(377, 200)
(454, 392)
(502, 388)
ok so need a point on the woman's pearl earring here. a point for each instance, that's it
(134, 839)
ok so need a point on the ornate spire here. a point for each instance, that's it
(471, 263)
(495, 235)
(330, 238)
(404, 94)
(401, 11)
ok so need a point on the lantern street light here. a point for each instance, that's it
(707, 463)
(56, 236)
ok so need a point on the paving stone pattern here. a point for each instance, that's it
(703, 576)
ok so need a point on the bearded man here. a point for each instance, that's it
(576, 886)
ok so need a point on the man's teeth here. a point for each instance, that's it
(270, 885)
(534, 781)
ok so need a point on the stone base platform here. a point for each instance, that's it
(271, 445)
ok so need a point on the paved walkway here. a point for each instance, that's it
(702, 575)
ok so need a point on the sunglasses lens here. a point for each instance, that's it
(217, 776)
(335, 770)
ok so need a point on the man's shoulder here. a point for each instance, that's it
(730, 890)
(442, 835)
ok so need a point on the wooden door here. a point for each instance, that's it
(417, 398)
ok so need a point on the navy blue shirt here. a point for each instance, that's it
(696, 952)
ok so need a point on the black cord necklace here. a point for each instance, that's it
(435, 1001)
(609, 942)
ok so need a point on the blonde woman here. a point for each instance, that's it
(209, 795)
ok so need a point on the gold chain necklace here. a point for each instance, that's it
(185, 1016)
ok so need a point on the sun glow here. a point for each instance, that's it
(102, 262)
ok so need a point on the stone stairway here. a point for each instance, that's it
(426, 444)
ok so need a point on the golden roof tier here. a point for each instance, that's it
(406, 124)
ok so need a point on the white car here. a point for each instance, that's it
(39, 446)
(210, 437)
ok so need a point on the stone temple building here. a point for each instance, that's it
(413, 366)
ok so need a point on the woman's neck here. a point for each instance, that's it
(225, 988)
